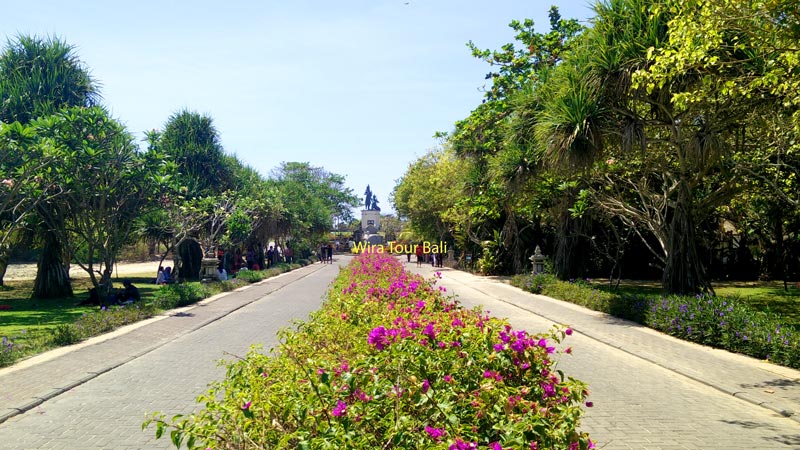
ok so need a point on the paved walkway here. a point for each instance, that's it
(96, 397)
(651, 390)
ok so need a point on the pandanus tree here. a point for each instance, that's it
(38, 77)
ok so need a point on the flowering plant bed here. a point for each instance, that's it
(390, 362)
(723, 322)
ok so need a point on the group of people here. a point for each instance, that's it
(326, 254)
(127, 295)
(436, 259)
(164, 275)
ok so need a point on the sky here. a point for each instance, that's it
(357, 87)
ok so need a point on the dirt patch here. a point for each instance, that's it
(28, 271)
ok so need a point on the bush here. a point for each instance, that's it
(388, 362)
(250, 276)
(180, 294)
(722, 322)
(107, 319)
(66, 334)
(231, 284)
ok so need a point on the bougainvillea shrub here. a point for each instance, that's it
(390, 362)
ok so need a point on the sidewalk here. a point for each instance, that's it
(31, 382)
(770, 386)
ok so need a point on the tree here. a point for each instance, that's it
(38, 77)
(428, 194)
(107, 185)
(192, 142)
(312, 198)
(498, 225)
(22, 187)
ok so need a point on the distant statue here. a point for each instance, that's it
(368, 199)
(375, 206)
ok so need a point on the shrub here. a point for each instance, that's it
(107, 319)
(388, 362)
(722, 322)
(250, 276)
(66, 334)
(231, 284)
(180, 294)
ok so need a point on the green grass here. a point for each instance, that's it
(35, 325)
(29, 322)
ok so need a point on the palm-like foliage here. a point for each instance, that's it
(40, 76)
(192, 142)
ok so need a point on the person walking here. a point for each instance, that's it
(419, 254)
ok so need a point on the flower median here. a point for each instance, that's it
(390, 362)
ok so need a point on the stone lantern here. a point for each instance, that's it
(537, 261)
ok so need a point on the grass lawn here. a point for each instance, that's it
(762, 295)
(28, 320)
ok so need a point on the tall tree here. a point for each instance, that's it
(192, 142)
(38, 77)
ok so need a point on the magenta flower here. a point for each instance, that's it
(246, 406)
(461, 445)
(568, 331)
(378, 337)
(340, 409)
(495, 446)
(435, 433)
(426, 385)
(448, 378)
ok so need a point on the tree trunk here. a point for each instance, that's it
(4, 254)
(569, 259)
(52, 280)
(683, 273)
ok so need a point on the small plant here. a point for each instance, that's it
(66, 334)
(7, 349)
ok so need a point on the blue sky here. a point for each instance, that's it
(358, 87)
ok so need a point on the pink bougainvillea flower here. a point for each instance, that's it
(568, 331)
(495, 446)
(448, 378)
(589, 404)
(426, 385)
(435, 433)
(378, 338)
(340, 409)
(246, 406)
